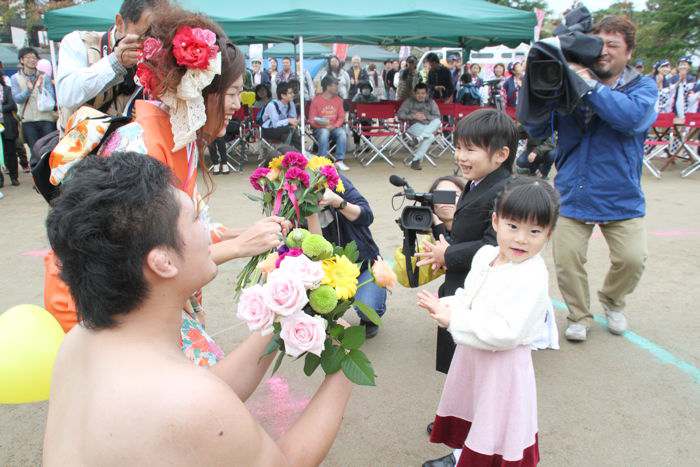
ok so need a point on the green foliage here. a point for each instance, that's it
(369, 313)
(526, 5)
(274, 345)
(351, 251)
(353, 338)
(358, 369)
(332, 358)
(278, 362)
(311, 363)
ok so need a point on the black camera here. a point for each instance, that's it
(546, 76)
(417, 219)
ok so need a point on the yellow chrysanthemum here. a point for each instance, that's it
(276, 163)
(340, 188)
(341, 274)
(317, 162)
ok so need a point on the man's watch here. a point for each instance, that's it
(342, 205)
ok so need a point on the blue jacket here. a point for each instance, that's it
(601, 149)
(343, 231)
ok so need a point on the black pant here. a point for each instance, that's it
(280, 135)
(32, 131)
(10, 154)
(217, 151)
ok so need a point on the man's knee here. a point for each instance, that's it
(339, 134)
(630, 259)
(322, 134)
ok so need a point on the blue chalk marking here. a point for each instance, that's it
(661, 354)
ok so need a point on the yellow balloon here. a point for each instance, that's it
(29, 340)
(248, 98)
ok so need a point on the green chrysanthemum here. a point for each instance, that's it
(296, 237)
(323, 300)
(316, 247)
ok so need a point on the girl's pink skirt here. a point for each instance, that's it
(489, 408)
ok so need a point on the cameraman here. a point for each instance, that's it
(599, 166)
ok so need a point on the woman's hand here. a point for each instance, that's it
(437, 310)
(264, 235)
(330, 198)
(433, 254)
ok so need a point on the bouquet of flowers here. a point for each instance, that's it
(291, 186)
(309, 285)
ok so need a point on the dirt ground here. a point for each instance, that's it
(632, 400)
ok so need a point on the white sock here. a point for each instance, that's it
(457, 453)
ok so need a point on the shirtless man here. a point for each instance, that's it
(122, 392)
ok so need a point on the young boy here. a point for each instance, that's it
(486, 142)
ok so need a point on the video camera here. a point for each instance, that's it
(416, 219)
(546, 76)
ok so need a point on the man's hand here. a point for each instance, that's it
(264, 235)
(330, 198)
(419, 116)
(581, 70)
(293, 121)
(433, 254)
(437, 310)
(128, 50)
(531, 157)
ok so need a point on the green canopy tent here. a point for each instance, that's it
(469, 24)
(371, 53)
(288, 49)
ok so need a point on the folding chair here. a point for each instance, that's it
(691, 143)
(461, 111)
(386, 129)
(444, 137)
(239, 116)
(662, 136)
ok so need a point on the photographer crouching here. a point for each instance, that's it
(599, 167)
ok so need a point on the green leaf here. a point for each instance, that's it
(332, 359)
(338, 250)
(267, 197)
(340, 309)
(369, 313)
(255, 198)
(351, 251)
(354, 337)
(358, 368)
(273, 346)
(311, 363)
(278, 362)
(336, 331)
(277, 327)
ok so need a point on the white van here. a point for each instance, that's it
(486, 57)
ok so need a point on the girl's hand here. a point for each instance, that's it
(437, 310)
(433, 254)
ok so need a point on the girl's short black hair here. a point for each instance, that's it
(489, 129)
(528, 199)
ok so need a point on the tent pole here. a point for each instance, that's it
(52, 48)
(302, 86)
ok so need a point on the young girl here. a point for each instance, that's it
(488, 409)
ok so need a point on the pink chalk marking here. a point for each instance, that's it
(675, 233)
(276, 407)
(36, 253)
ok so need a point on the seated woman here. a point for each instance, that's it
(192, 102)
(122, 393)
(443, 214)
(262, 96)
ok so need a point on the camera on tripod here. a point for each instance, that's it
(417, 219)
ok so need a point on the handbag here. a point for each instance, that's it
(45, 101)
(425, 273)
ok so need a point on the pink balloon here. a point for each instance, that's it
(44, 66)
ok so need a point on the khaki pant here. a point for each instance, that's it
(628, 252)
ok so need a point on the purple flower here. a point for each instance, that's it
(257, 175)
(331, 175)
(295, 173)
(285, 251)
(294, 159)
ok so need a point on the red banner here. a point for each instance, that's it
(341, 51)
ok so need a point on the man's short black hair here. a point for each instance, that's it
(411, 59)
(465, 78)
(282, 89)
(488, 129)
(287, 58)
(328, 80)
(112, 211)
(419, 86)
(26, 51)
(132, 10)
(432, 58)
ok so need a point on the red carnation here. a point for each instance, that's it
(147, 78)
(194, 47)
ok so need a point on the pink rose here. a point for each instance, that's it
(151, 46)
(284, 294)
(303, 333)
(308, 271)
(253, 310)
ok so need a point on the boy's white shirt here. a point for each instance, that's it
(503, 307)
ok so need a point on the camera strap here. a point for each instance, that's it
(409, 249)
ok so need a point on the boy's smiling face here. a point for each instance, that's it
(476, 162)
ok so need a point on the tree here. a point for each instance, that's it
(527, 5)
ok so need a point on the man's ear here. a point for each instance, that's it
(160, 262)
(121, 27)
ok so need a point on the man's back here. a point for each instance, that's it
(109, 406)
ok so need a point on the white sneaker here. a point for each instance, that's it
(216, 169)
(225, 169)
(576, 332)
(617, 323)
(341, 166)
